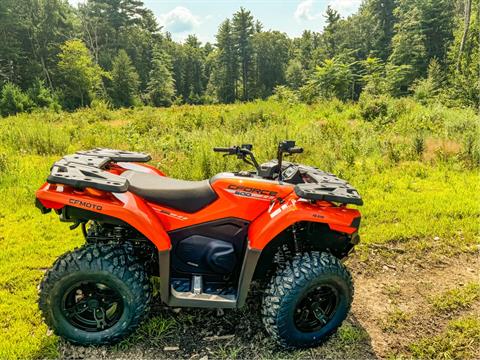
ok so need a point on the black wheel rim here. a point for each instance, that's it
(92, 306)
(316, 308)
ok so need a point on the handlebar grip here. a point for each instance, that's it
(295, 150)
(222, 149)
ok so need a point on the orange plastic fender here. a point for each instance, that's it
(125, 206)
(279, 217)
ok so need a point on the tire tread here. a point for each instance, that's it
(286, 285)
(113, 258)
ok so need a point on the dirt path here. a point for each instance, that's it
(392, 309)
(395, 306)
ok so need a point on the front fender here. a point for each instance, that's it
(126, 206)
(272, 222)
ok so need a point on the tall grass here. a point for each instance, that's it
(415, 166)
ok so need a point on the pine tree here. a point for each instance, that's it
(464, 55)
(379, 21)
(438, 20)
(125, 81)
(430, 87)
(408, 43)
(161, 86)
(193, 71)
(243, 30)
(271, 50)
(331, 31)
(225, 73)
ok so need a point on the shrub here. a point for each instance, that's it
(373, 107)
(13, 100)
(3, 162)
(333, 79)
(283, 93)
(426, 89)
(42, 96)
(471, 150)
(419, 144)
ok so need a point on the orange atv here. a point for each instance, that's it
(285, 226)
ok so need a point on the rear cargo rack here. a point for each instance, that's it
(86, 169)
(328, 187)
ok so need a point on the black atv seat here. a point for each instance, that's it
(186, 196)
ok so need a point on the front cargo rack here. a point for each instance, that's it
(86, 169)
(328, 187)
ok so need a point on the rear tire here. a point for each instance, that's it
(97, 294)
(307, 300)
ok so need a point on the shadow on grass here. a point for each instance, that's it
(229, 334)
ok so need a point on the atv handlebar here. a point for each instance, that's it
(231, 150)
(245, 150)
(295, 150)
(242, 152)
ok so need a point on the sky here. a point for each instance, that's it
(202, 17)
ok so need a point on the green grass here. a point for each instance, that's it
(350, 335)
(457, 298)
(412, 194)
(460, 340)
(396, 320)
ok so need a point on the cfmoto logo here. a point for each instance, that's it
(85, 204)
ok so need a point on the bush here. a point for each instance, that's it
(13, 100)
(283, 93)
(42, 97)
(373, 107)
(471, 150)
(333, 79)
(419, 144)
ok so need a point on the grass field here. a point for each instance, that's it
(416, 270)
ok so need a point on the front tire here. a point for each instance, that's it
(97, 294)
(307, 300)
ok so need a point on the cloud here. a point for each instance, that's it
(179, 20)
(345, 7)
(76, 2)
(304, 11)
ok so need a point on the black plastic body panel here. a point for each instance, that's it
(43, 209)
(231, 231)
(205, 254)
(72, 213)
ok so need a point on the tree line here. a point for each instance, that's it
(56, 56)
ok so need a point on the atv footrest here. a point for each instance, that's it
(203, 300)
(211, 288)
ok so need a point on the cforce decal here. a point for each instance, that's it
(250, 192)
(175, 216)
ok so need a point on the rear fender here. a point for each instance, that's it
(293, 210)
(124, 206)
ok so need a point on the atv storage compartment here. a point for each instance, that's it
(85, 169)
